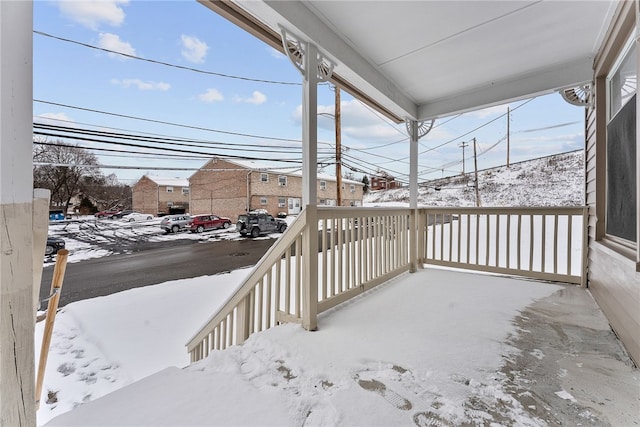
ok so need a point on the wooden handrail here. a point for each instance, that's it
(274, 254)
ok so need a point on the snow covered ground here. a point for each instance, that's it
(430, 348)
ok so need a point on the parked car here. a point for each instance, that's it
(105, 214)
(257, 223)
(56, 215)
(199, 223)
(136, 216)
(175, 223)
(54, 244)
(120, 214)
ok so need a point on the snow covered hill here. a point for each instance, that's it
(556, 180)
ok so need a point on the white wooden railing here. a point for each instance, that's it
(329, 255)
(543, 243)
(356, 249)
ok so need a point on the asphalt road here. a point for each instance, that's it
(115, 273)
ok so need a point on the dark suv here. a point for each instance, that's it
(257, 223)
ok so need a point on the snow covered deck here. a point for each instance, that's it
(436, 347)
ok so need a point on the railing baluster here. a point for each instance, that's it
(298, 276)
(544, 243)
(486, 236)
(477, 257)
(269, 303)
(340, 255)
(555, 244)
(497, 242)
(259, 301)
(519, 248)
(287, 278)
(509, 241)
(569, 242)
(531, 241)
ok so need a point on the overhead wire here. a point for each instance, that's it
(153, 61)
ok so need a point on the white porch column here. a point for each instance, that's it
(310, 127)
(17, 322)
(413, 193)
(413, 164)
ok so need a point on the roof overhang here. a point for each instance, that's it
(429, 59)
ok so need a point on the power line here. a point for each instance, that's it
(228, 156)
(153, 61)
(165, 123)
(166, 141)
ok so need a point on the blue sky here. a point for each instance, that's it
(263, 119)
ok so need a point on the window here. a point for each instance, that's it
(185, 191)
(621, 195)
(263, 201)
(352, 188)
(343, 185)
(264, 177)
(282, 180)
(169, 204)
(282, 202)
(323, 202)
(169, 189)
(323, 185)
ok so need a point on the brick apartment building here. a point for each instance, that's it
(383, 181)
(160, 195)
(228, 188)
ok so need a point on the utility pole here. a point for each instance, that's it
(338, 149)
(475, 162)
(463, 145)
(508, 132)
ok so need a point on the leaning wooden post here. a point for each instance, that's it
(56, 286)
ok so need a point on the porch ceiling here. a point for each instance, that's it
(427, 59)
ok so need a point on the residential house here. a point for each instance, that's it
(383, 181)
(229, 188)
(160, 195)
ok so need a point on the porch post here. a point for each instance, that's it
(416, 130)
(17, 320)
(413, 194)
(314, 68)
(310, 128)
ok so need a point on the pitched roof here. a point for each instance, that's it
(169, 181)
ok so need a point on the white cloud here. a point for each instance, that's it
(257, 98)
(141, 85)
(358, 122)
(193, 49)
(53, 118)
(275, 53)
(211, 95)
(487, 112)
(92, 14)
(112, 42)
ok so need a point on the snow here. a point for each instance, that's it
(549, 181)
(284, 376)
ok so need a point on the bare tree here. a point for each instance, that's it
(64, 169)
(108, 193)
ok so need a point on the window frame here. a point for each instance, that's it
(169, 189)
(263, 201)
(264, 177)
(282, 180)
(323, 185)
(623, 58)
